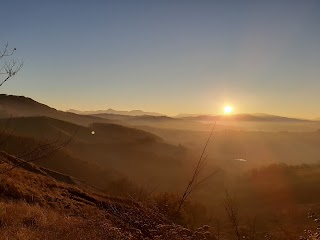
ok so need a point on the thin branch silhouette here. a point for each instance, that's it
(10, 67)
(44, 148)
(194, 183)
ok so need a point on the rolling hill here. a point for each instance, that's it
(20, 106)
(113, 150)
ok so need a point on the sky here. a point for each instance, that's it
(168, 56)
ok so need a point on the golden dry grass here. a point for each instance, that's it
(24, 221)
(35, 206)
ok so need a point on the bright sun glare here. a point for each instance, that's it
(228, 109)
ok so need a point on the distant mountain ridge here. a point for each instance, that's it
(20, 106)
(259, 117)
(112, 111)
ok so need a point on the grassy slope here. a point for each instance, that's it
(36, 206)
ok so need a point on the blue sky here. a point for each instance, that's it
(167, 56)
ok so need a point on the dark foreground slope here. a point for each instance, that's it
(37, 206)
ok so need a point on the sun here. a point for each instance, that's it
(228, 109)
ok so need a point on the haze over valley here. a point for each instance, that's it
(160, 120)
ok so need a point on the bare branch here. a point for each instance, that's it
(5, 52)
(194, 183)
(9, 68)
(43, 149)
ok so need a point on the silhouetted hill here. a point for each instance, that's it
(114, 149)
(63, 160)
(47, 127)
(28, 131)
(20, 106)
(118, 133)
(11, 105)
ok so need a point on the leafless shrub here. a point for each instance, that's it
(123, 187)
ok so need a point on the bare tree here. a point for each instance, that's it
(195, 181)
(10, 67)
(44, 148)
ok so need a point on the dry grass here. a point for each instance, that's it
(24, 221)
(35, 206)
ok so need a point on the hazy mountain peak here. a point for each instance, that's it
(135, 112)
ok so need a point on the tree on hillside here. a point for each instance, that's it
(8, 67)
